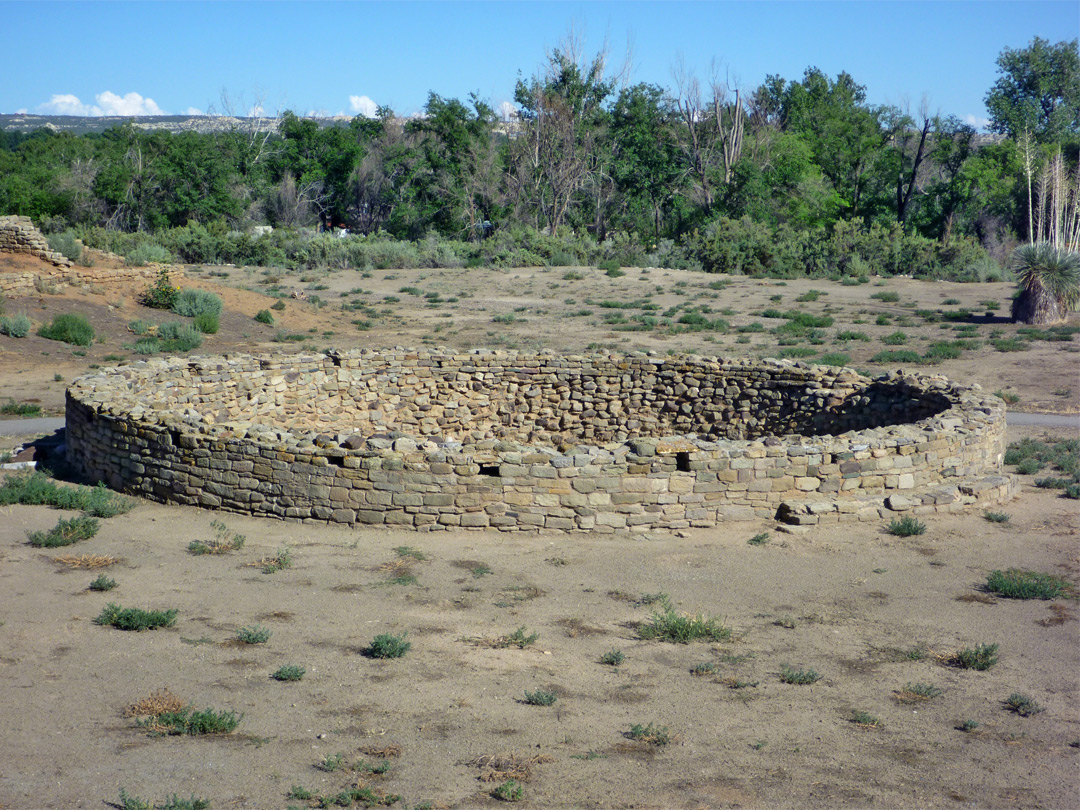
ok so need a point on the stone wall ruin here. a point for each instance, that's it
(431, 440)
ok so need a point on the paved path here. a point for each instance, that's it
(32, 427)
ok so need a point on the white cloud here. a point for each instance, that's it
(976, 121)
(507, 110)
(193, 111)
(21, 111)
(363, 106)
(108, 103)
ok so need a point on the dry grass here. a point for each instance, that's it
(400, 567)
(385, 752)
(576, 628)
(86, 560)
(1059, 615)
(981, 598)
(500, 767)
(155, 704)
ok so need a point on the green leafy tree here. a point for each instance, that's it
(1037, 91)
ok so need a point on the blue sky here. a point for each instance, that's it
(345, 57)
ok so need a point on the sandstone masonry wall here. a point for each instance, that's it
(431, 440)
(18, 235)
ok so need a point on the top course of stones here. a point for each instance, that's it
(516, 441)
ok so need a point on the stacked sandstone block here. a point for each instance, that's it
(431, 440)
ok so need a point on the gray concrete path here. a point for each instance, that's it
(1043, 420)
(31, 427)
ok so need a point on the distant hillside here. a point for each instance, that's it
(80, 125)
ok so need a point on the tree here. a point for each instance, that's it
(1037, 90)
(561, 114)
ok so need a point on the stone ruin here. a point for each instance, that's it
(429, 440)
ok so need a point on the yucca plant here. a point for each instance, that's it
(1049, 280)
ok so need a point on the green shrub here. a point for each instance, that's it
(979, 658)
(189, 721)
(388, 645)
(37, 489)
(65, 533)
(13, 408)
(69, 328)
(253, 635)
(1022, 705)
(161, 294)
(1016, 583)
(134, 618)
(942, 350)
(519, 638)
(190, 303)
(540, 697)
(907, 526)
(207, 323)
(178, 337)
(682, 628)
(895, 339)
(288, 672)
(799, 677)
(612, 658)
(16, 326)
(897, 356)
(147, 253)
(509, 791)
(650, 734)
(834, 359)
(173, 802)
(67, 245)
(265, 316)
(278, 306)
(887, 296)
(103, 583)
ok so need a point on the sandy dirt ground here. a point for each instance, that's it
(871, 613)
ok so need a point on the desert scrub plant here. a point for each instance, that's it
(134, 618)
(173, 802)
(16, 326)
(917, 693)
(612, 658)
(288, 672)
(1017, 583)
(225, 540)
(906, 526)
(65, 532)
(682, 628)
(650, 734)
(866, 720)
(968, 726)
(265, 316)
(1049, 282)
(509, 791)
(541, 697)
(103, 583)
(388, 645)
(276, 562)
(207, 323)
(1022, 705)
(704, 669)
(980, 657)
(253, 635)
(759, 539)
(997, 517)
(520, 638)
(798, 677)
(191, 722)
(13, 408)
(410, 553)
(71, 328)
(191, 303)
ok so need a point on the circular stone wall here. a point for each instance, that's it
(517, 441)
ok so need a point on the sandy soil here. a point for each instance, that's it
(852, 604)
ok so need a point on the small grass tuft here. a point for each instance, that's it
(917, 693)
(509, 791)
(173, 802)
(288, 672)
(704, 669)
(519, 638)
(277, 562)
(798, 677)
(612, 658)
(906, 526)
(225, 540)
(65, 532)
(191, 722)
(388, 645)
(980, 657)
(540, 697)
(135, 619)
(759, 539)
(997, 517)
(968, 726)
(253, 635)
(682, 628)
(410, 553)
(103, 583)
(1023, 705)
(650, 734)
(867, 720)
(1016, 583)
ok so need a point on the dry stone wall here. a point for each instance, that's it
(431, 440)
(18, 235)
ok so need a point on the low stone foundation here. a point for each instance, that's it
(18, 235)
(430, 440)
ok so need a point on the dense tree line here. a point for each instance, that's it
(797, 175)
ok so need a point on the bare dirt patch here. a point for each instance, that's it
(868, 612)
